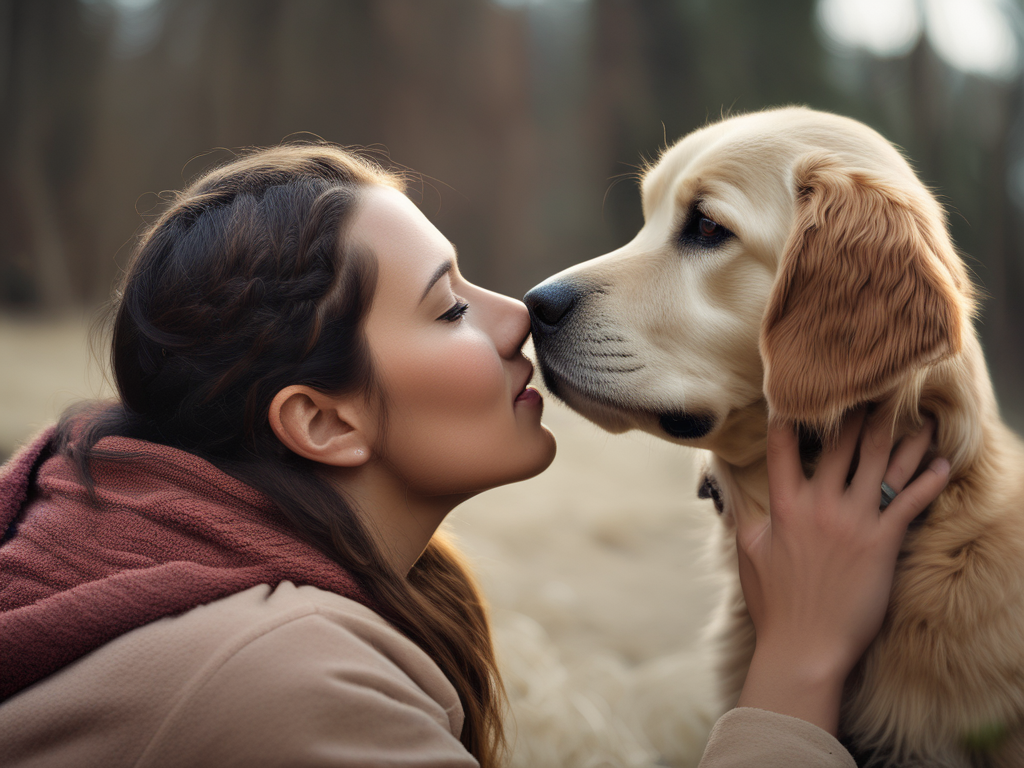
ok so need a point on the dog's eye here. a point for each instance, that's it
(707, 227)
(702, 232)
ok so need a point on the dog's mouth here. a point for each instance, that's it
(686, 426)
(600, 408)
(611, 413)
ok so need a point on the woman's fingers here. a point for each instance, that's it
(784, 457)
(907, 457)
(878, 461)
(875, 465)
(786, 474)
(875, 449)
(912, 500)
(834, 465)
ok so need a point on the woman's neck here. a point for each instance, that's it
(401, 520)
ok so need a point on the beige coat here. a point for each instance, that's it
(298, 677)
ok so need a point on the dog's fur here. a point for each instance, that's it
(835, 284)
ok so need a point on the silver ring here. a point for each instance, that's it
(888, 494)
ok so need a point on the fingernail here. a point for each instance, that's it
(939, 466)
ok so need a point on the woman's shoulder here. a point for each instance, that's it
(285, 671)
(292, 633)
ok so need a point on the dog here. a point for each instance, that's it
(792, 266)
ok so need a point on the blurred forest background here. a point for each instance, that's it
(526, 118)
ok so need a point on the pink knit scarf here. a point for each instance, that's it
(170, 532)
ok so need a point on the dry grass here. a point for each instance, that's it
(47, 366)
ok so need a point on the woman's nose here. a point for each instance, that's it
(512, 325)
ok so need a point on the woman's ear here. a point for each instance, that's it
(327, 429)
(867, 290)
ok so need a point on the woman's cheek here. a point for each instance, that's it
(462, 379)
(451, 416)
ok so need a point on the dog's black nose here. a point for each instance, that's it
(550, 304)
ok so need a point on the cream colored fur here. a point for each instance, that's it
(746, 330)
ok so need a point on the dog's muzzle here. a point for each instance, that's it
(551, 304)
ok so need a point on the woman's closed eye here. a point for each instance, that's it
(456, 312)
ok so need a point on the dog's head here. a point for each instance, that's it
(788, 256)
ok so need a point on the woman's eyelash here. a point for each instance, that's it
(455, 312)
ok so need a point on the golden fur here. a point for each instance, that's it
(838, 286)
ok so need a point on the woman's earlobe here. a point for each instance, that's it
(358, 456)
(327, 429)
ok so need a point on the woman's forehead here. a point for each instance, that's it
(409, 250)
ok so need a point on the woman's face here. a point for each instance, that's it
(460, 418)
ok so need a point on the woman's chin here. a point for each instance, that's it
(530, 462)
(546, 451)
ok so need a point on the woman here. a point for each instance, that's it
(236, 563)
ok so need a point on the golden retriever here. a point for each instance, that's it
(792, 266)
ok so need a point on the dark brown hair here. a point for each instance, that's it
(244, 286)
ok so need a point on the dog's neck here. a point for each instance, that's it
(957, 391)
(742, 439)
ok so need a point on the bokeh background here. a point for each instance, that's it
(527, 118)
(528, 121)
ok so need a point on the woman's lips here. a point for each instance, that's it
(529, 394)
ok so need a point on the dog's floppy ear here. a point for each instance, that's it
(861, 297)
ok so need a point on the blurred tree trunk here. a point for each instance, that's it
(26, 104)
(42, 219)
(47, 106)
(30, 105)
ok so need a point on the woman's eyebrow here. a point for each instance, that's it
(440, 272)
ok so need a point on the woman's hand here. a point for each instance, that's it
(817, 572)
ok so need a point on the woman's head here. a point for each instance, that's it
(446, 362)
(296, 302)
(241, 288)
(292, 317)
